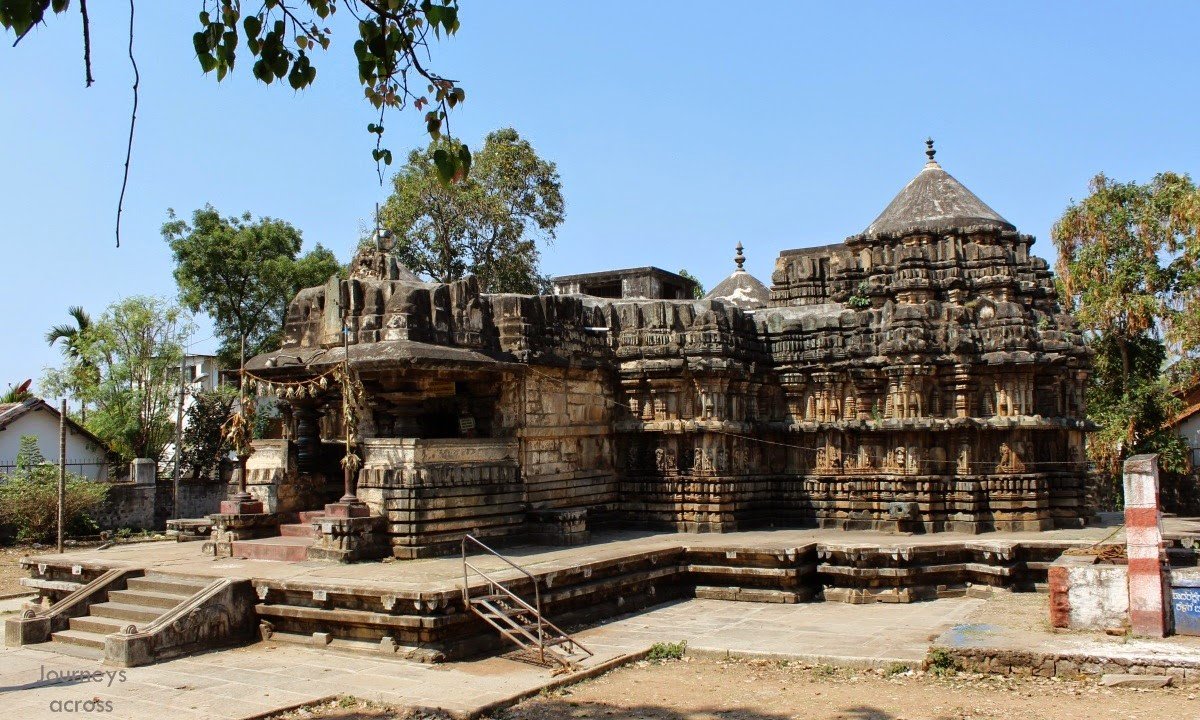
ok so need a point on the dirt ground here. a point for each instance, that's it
(704, 689)
(10, 569)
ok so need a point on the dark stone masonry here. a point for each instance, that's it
(919, 376)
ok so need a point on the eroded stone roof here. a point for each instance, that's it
(741, 288)
(934, 202)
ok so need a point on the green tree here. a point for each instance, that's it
(29, 497)
(71, 337)
(1127, 272)
(488, 225)
(282, 37)
(29, 454)
(698, 291)
(243, 273)
(135, 348)
(203, 442)
(1132, 409)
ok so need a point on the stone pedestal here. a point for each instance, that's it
(349, 509)
(190, 529)
(559, 527)
(238, 506)
(231, 527)
(349, 538)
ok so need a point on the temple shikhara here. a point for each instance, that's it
(918, 376)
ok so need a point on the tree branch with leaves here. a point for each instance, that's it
(490, 224)
(282, 37)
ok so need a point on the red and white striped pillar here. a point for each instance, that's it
(1143, 547)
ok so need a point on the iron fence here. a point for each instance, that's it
(92, 470)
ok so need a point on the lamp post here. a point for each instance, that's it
(348, 495)
(348, 506)
(242, 503)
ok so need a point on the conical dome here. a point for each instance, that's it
(934, 202)
(741, 288)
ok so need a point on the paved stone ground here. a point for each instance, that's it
(433, 574)
(865, 635)
(265, 676)
(1021, 622)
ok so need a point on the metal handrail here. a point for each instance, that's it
(537, 594)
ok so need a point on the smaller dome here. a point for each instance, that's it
(741, 288)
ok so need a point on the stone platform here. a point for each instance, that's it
(1012, 635)
(414, 608)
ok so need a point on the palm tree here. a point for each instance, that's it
(72, 344)
(16, 393)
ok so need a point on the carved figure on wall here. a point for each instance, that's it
(865, 461)
(1008, 462)
(741, 458)
(664, 460)
(914, 464)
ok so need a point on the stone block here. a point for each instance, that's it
(349, 539)
(1135, 680)
(143, 471)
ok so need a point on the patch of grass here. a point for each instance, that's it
(941, 662)
(896, 668)
(824, 670)
(660, 651)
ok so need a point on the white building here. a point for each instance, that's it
(201, 373)
(87, 454)
(1187, 423)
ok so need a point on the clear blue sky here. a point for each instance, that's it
(679, 129)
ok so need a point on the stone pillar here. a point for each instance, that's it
(1143, 541)
(142, 471)
(308, 436)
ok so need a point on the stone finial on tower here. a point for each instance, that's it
(739, 258)
(929, 151)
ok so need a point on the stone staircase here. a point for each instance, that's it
(291, 545)
(144, 600)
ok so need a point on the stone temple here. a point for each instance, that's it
(918, 377)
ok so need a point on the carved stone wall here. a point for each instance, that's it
(433, 491)
(919, 379)
(566, 440)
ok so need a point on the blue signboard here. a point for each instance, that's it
(1185, 602)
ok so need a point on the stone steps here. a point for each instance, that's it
(147, 598)
(168, 584)
(126, 611)
(83, 652)
(299, 530)
(98, 625)
(287, 549)
(757, 595)
(79, 637)
(144, 600)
